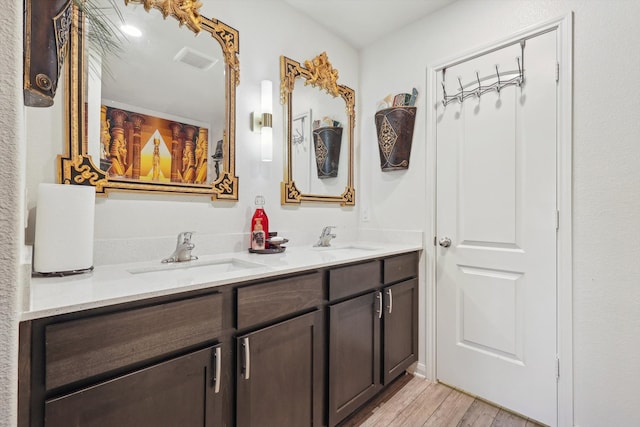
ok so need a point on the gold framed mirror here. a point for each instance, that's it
(160, 116)
(320, 117)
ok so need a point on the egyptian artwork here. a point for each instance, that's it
(148, 148)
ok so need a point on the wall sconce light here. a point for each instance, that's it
(261, 121)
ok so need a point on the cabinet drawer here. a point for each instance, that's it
(271, 300)
(82, 348)
(353, 279)
(400, 267)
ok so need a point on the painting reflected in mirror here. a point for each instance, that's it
(160, 114)
(320, 121)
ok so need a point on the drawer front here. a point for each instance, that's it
(82, 348)
(400, 267)
(353, 279)
(271, 300)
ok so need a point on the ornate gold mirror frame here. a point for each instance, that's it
(319, 73)
(77, 166)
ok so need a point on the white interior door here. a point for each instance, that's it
(496, 202)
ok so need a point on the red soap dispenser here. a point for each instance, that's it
(260, 213)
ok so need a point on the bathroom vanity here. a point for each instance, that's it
(304, 338)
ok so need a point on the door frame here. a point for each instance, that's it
(564, 270)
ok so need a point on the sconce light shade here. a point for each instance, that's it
(266, 143)
(262, 121)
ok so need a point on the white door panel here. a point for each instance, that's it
(496, 201)
(488, 309)
(487, 175)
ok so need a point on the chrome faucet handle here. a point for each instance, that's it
(185, 237)
(325, 236)
(183, 248)
(326, 231)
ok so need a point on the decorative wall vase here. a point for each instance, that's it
(46, 42)
(327, 142)
(395, 132)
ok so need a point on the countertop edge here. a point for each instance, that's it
(313, 260)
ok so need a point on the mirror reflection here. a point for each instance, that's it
(159, 115)
(317, 141)
(320, 117)
(160, 103)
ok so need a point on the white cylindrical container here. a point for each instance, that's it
(64, 229)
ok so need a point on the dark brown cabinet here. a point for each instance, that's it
(373, 338)
(183, 391)
(400, 339)
(160, 364)
(304, 349)
(354, 354)
(400, 314)
(279, 374)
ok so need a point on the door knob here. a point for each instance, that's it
(445, 242)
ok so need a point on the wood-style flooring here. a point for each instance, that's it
(415, 402)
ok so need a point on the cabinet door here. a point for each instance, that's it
(180, 392)
(354, 354)
(400, 328)
(280, 374)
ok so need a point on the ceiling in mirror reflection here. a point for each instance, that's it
(168, 69)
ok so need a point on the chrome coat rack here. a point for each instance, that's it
(476, 89)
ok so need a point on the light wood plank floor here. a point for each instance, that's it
(415, 402)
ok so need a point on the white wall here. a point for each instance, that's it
(606, 171)
(127, 216)
(606, 159)
(12, 154)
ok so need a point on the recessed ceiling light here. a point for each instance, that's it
(131, 30)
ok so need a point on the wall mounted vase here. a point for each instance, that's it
(394, 128)
(327, 142)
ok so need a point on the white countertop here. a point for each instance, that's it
(119, 283)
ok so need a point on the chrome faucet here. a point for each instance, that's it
(183, 249)
(325, 237)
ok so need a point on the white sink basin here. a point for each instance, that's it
(204, 267)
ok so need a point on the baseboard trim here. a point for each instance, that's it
(420, 370)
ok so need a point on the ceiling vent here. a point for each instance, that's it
(195, 59)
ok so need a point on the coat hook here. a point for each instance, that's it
(461, 95)
(444, 94)
(498, 76)
(445, 99)
(479, 85)
(520, 76)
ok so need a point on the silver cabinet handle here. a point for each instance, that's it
(379, 296)
(216, 388)
(390, 300)
(445, 242)
(247, 358)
